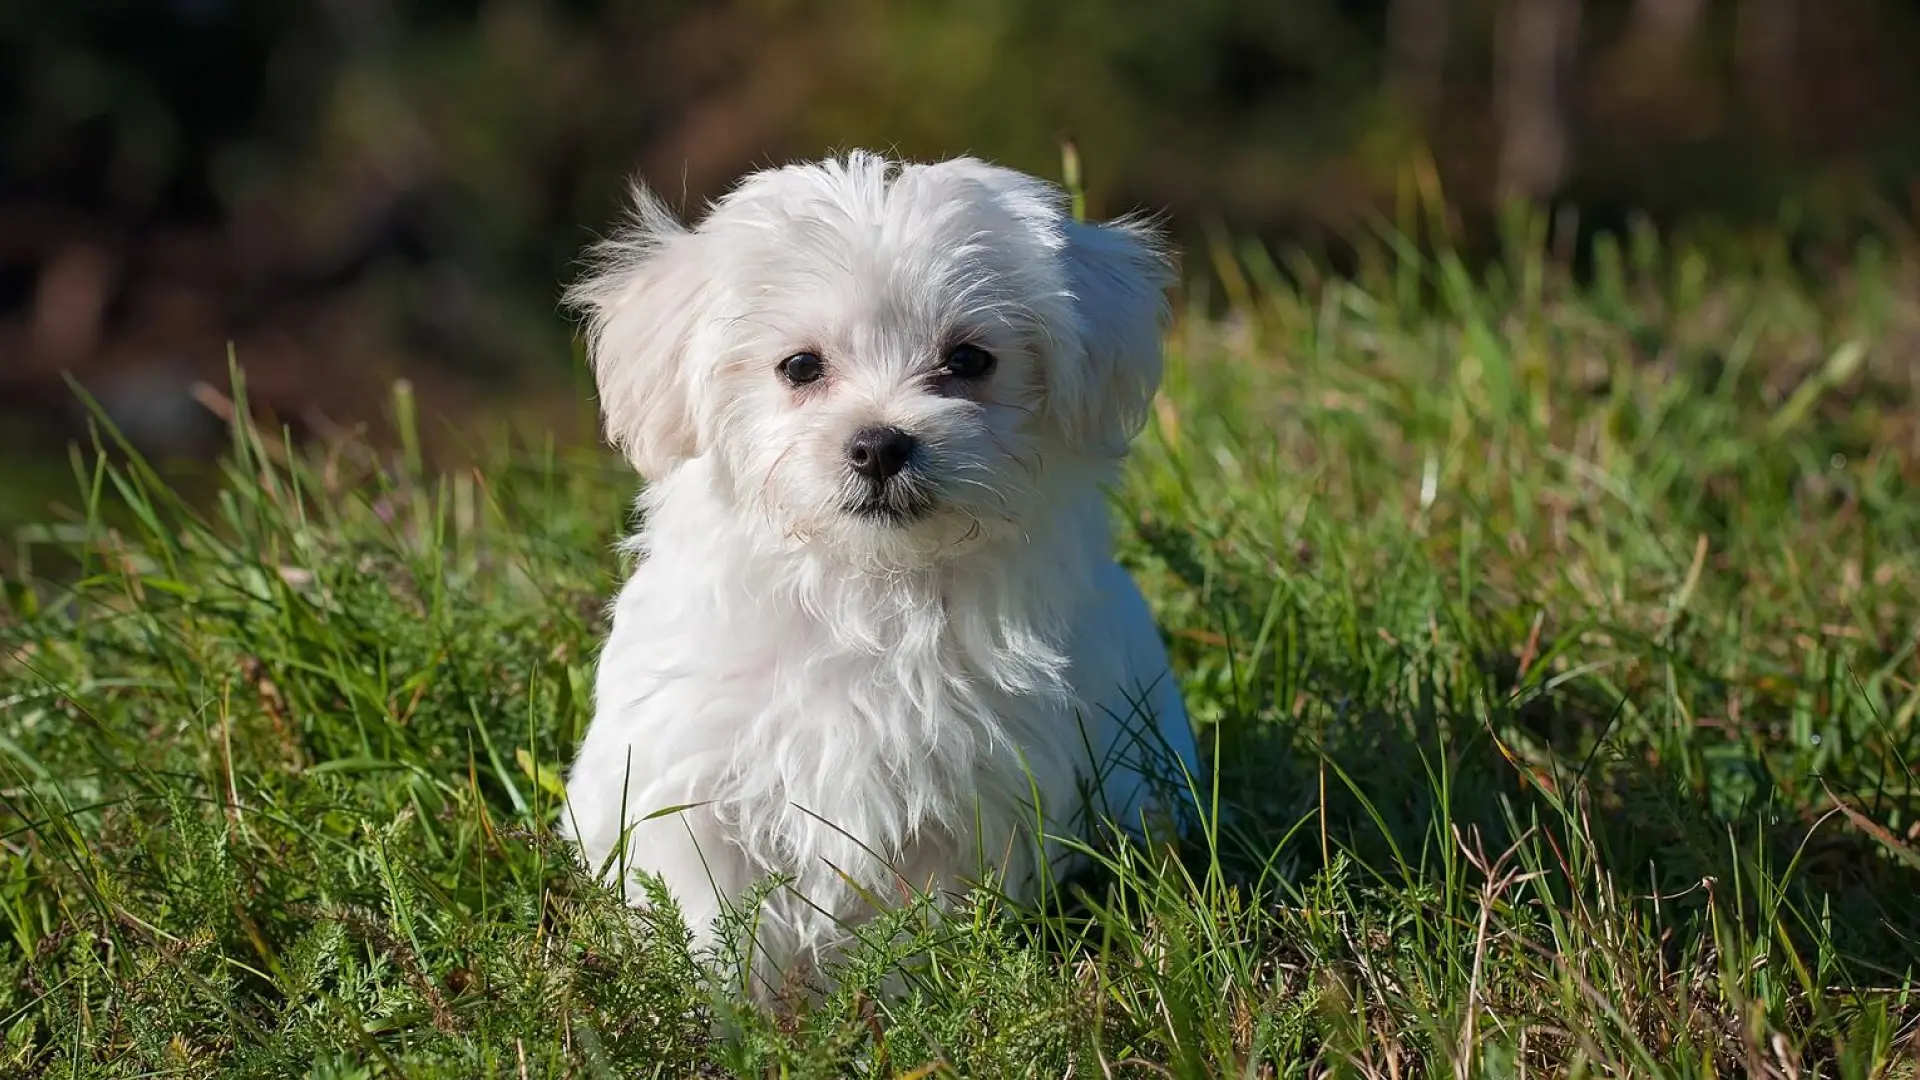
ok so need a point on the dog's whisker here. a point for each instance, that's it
(767, 480)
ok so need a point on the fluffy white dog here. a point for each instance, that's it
(876, 640)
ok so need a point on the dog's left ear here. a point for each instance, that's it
(1118, 274)
(645, 296)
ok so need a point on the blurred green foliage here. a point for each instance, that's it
(346, 187)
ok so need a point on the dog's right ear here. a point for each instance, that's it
(642, 296)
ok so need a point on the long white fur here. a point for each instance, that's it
(863, 707)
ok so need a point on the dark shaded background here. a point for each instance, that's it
(349, 191)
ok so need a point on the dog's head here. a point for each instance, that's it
(885, 358)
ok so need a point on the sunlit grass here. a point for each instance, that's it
(1557, 642)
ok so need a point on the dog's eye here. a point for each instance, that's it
(968, 361)
(802, 368)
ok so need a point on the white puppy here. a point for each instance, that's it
(875, 614)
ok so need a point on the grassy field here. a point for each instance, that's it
(1555, 643)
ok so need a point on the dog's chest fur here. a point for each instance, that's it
(822, 714)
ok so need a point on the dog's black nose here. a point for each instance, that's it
(878, 452)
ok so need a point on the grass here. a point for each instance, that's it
(1555, 640)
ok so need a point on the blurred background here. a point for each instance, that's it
(354, 191)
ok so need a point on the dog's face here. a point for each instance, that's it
(881, 360)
